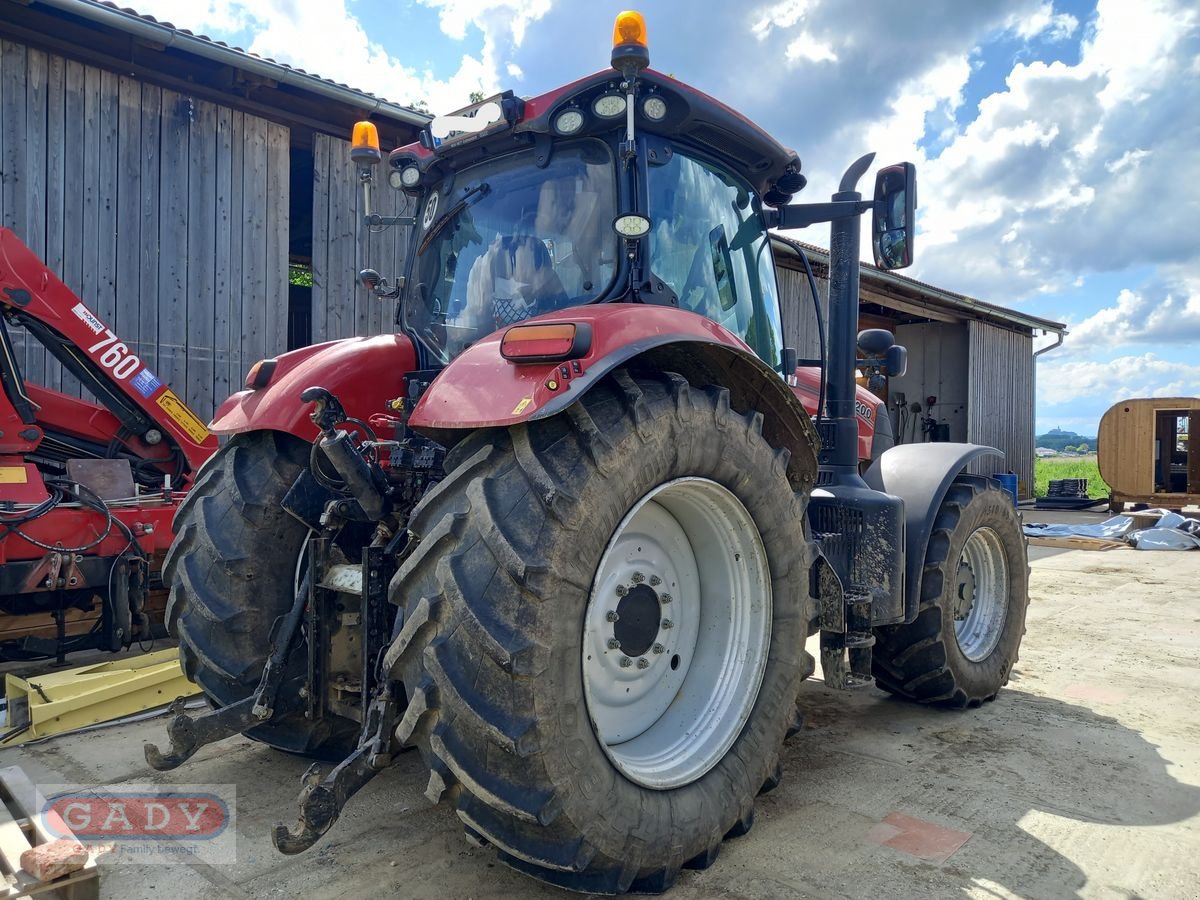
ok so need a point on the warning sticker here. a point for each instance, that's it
(13, 475)
(146, 382)
(520, 407)
(88, 318)
(183, 417)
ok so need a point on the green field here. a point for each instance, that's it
(1054, 468)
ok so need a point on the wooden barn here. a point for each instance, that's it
(975, 359)
(199, 198)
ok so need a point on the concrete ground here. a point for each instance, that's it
(1081, 780)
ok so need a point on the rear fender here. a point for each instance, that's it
(920, 474)
(481, 389)
(364, 373)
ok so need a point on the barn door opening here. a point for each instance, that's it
(300, 245)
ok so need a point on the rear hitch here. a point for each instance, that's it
(187, 734)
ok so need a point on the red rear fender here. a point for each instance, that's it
(364, 373)
(481, 389)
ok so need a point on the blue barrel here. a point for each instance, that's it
(1008, 481)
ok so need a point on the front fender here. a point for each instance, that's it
(481, 389)
(920, 474)
(364, 373)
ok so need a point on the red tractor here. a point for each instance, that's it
(88, 487)
(568, 530)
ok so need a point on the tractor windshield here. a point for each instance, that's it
(505, 240)
(710, 246)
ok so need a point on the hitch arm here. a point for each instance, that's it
(322, 799)
(187, 735)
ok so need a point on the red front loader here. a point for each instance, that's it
(88, 487)
(567, 531)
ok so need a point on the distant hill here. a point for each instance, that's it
(1057, 439)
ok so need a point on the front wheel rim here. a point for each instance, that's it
(981, 594)
(677, 633)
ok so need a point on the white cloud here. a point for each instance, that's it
(780, 16)
(302, 33)
(1164, 311)
(1043, 20)
(200, 16)
(1044, 185)
(807, 47)
(1065, 382)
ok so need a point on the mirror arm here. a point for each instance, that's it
(801, 215)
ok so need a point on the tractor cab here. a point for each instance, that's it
(626, 186)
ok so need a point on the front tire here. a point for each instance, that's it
(506, 597)
(961, 648)
(232, 571)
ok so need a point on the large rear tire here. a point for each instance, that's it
(232, 571)
(515, 685)
(961, 648)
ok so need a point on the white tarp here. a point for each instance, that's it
(1171, 531)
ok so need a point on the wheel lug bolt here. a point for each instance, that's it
(665, 598)
(621, 590)
(626, 662)
(643, 663)
(658, 648)
(611, 615)
(655, 581)
(638, 578)
(667, 623)
(614, 644)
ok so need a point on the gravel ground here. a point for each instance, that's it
(1082, 779)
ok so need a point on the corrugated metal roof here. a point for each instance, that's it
(123, 18)
(932, 294)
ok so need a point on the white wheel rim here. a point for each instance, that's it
(688, 573)
(981, 595)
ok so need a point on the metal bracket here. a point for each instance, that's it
(321, 800)
(187, 734)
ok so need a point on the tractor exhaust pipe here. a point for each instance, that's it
(841, 452)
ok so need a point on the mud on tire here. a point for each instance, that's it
(924, 660)
(493, 601)
(231, 573)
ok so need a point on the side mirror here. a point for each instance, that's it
(788, 362)
(892, 222)
(875, 341)
(370, 279)
(895, 361)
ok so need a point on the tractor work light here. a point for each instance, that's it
(654, 108)
(364, 144)
(609, 106)
(568, 121)
(550, 342)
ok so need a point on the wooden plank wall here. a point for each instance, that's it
(343, 245)
(168, 215)
(1000, 401)
(796, 311)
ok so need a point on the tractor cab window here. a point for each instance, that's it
(505, 240)
(709, 244)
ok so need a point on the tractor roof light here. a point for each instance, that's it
(549, 342)
(631, 49)
(364, 144)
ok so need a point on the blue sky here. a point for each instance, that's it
(1057, 141)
